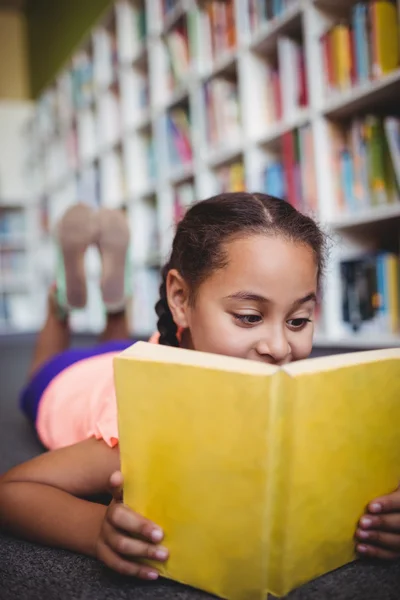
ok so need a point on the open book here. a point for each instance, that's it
(257, 474)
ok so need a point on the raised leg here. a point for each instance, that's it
(53, 338)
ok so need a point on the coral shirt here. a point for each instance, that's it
(80, 403)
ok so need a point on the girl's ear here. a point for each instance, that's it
(178, 298)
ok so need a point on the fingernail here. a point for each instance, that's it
(366, 521)
(157, 535)
(362, 548)
(161, 553)
(375, 507)
(363, 534)
(152, 575)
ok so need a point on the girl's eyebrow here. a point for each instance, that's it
(243, 295)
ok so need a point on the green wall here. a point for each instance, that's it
(55, 28)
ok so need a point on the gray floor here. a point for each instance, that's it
(32, 572)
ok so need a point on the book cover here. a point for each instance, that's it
(257, 474)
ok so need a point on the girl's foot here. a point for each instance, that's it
(76, 231)
(113, 243)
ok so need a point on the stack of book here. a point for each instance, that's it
(261, 11)
(222, 111)
(231, 178)
(366, 162)
(179, 139)
(364, 47)
(222, 26)
(177, 45)
(370, 293)
(184, 197)
(293, 176)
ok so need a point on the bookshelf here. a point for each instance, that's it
(166, 101)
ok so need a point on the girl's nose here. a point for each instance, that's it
(275, 346)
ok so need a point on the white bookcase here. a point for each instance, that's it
(112, 145)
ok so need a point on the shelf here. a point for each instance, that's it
(181, 173)
(274, 132)
(144, 121)
(358, 342)
(363, 97)
(265, 39)
(219, 157)
(368, 216)
(224, 65)
(147, 191)
(177, 96)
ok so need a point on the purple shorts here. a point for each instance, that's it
(33, 391)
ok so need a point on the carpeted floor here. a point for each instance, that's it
(33, 572)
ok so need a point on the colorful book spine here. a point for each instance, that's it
(365, 47)
(366, 162)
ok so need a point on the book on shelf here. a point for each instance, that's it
(366, 162)
(179, 136)
(370, 294)
(145, 294)
(231, 178)
(292, 176)
(222, 26)
(184, 197)
(292, 76)
(178, 50)
(145, 232)
(83, 79)
(109, 116)
(222, 111)
(12, 224)
(131, 26)
(262, 11)
(89, 186)
(364, 47)
(273, 95)
(287, 455)
(168, 6)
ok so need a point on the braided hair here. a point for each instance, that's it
(198, 246)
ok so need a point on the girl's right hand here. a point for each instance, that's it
(126, 536)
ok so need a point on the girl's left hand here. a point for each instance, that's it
(378, 532)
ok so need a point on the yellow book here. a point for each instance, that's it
(342, 56)
(257, 474)
(385, 37)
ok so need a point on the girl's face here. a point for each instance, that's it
(259, 307)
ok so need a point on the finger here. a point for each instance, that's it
(385, 504)
(383, 539)
(122, 517)
(385, 522)
(370, 551)
(116, 483)
(123, 566)
(132, 548)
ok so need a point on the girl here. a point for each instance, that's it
(242, 281)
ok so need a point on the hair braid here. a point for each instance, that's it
(165, 324)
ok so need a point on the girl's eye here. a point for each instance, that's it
(298, 323)
(248, 319)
